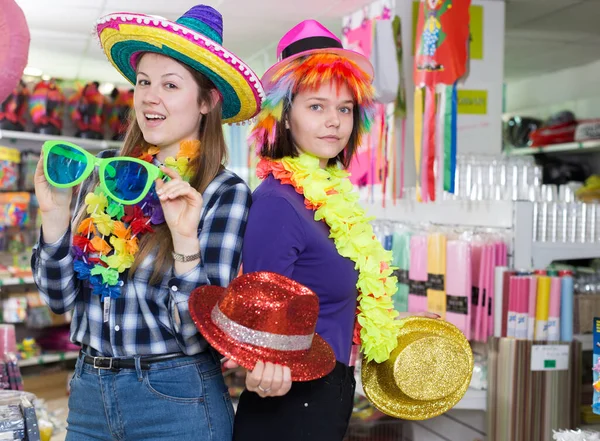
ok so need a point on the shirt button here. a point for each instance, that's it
(174, 288)
(117, 328)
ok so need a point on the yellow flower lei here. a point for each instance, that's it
(330, 193)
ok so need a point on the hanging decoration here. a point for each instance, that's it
(441, 57)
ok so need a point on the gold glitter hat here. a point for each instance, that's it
(425, 376)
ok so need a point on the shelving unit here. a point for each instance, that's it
(14, 281)
(569, 147)
(48, 358)
(30, 140)
(516, 216)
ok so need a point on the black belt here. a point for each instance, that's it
(127, 363)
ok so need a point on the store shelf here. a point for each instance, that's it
(544, 253)
(587, 341)
(473, 400)
(491, 214)
(569, 147)
(13, 281)
(49, 358)
(89, 144)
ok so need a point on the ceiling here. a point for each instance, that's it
(63, 43)
(548, 35)
(541, 35)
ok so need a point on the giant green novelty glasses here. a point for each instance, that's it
(126, 180)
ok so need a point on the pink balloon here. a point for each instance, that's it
(14, 46)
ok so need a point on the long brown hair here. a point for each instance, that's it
(207, 165)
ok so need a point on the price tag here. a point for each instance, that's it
(106, 309)
(549, 357)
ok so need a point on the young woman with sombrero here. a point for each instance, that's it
(306, 224)
(153, 223)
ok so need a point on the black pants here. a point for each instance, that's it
(317, 410)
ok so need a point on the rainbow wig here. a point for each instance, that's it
(309, 73)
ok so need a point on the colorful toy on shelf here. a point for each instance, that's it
(118, 112)
(86, 108)
(46, 106)
(28, 348)
(13, 109)
(9, 168)
(14, 209)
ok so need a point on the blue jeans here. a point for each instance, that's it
(179, 399)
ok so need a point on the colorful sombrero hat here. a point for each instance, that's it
(14, 47)
(425, 376)
(194, 39)
(311, 37)
(264, 316)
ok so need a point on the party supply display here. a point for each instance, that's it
(442, 38)
(87, 108)
(9, 168)
(46, 106)
(125, 180)
(118, 112)
(106, 242)
(13, 109)
(448, 272)
(427, 373)
(330, 194)
(14, 46)
(264, 316)
(195, 39)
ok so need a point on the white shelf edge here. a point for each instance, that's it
(569, 147)
(474, 399)
(13, 281)
(544, 253)
(90, 144)
(49, 358)
(491, 214)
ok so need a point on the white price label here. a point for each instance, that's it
(549, 357)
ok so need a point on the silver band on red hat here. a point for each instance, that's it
(263, 339)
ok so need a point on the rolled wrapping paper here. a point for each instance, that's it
(401, 260)
(566, 308)
(505, 300)
(498, 298)
(417, 274)
(522, 308)
(436, 272)
(458, 285)
(483, 295)
(501, 261)
(476, 255)
(554, 310)
(8, 340)
(488, 317)
(532, 305)
(511, 330)
(542, 308)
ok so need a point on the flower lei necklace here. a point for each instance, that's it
(107, 241)
(330, 194)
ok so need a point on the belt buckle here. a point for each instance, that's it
(110, 364)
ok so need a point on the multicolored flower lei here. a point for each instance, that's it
(106, 242)
(331, 195)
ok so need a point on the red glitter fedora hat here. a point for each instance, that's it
(264, 316)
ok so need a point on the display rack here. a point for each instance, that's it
(48, 358)
(516, 216)
(28, 140)
(569, 147)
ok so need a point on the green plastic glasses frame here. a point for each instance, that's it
(102, 163)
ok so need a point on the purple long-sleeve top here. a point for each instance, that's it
(283, 237)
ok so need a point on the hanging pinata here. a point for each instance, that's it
(441, 56)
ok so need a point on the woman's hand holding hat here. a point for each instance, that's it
(269, 380)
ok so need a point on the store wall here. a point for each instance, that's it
(576, 89)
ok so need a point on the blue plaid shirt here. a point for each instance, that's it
(149, 319)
